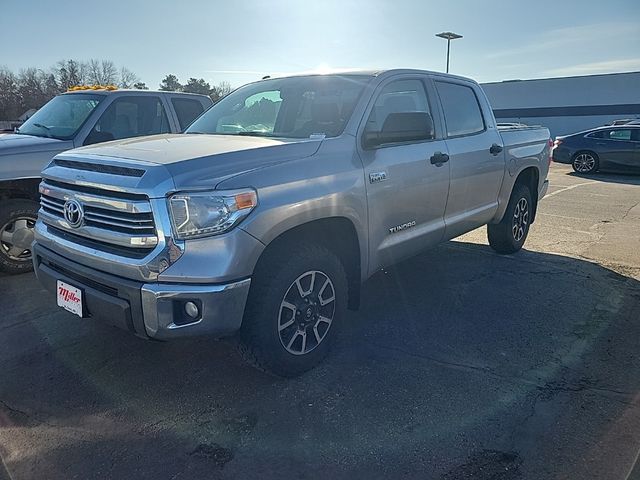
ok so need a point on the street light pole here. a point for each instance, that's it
(448, 36)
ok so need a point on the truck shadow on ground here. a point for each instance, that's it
(435, 377)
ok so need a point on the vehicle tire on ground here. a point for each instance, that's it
(509, 235)
(296, 304)
(585, 162)
(17, 221)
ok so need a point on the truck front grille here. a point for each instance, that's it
(110, 218)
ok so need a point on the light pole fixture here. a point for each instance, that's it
(448, 36)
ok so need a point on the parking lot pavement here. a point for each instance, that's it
(460, 364)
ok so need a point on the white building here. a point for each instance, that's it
(568, 104)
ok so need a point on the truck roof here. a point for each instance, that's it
(131, 91)
(367, 73)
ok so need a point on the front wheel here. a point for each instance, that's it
(509, 235)
(296, 303)
(17, 221)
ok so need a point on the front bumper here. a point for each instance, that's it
(150, 310)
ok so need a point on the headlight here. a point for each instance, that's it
(199, 214)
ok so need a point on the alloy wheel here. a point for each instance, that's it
(584, 162)
(306, 312)
(520, 219)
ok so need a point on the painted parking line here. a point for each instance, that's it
(568, 188)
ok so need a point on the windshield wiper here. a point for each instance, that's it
(44, 127)
(255, 134)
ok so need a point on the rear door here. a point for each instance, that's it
(476, 156)
(617, 149)
(406, 193)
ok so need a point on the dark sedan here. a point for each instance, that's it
(614, 148)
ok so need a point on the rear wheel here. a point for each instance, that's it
(509, 235)
(585, 162)
(296, 303)
(17, 221)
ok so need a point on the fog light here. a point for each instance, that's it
(192, 310)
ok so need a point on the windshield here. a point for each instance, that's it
(294, 107)
(62, 117)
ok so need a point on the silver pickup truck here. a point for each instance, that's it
(80, 117)
(265, 217)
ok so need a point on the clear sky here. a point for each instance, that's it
(240, 41)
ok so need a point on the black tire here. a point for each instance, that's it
(585, 162)
(17, 219)
(509, 235)
(261, 343)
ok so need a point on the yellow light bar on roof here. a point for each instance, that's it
(91, 87)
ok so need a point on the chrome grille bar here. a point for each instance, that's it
(107, 219)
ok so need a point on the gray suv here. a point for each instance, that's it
(263, 219)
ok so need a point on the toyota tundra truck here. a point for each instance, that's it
(83, 116)
(263, 219)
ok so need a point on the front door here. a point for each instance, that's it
(406, 192)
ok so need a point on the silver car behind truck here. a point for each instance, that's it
(265, 217)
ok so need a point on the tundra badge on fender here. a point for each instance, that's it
(377, 177)
(404, 226)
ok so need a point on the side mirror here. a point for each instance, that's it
(401, 127)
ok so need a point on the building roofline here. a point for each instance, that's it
(501, 82)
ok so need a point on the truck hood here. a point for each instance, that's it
(11, 143)
(203, 160)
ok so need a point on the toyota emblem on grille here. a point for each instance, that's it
(73, 213)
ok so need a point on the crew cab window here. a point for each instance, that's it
(130, 117)
(619, 134)
(401, 96)
(187, 110)
(461, 109)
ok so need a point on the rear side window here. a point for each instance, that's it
(619, 134)
(598, 134)
(462, 112)
(187, 110)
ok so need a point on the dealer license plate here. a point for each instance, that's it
(70, 298)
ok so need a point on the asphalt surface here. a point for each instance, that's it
(460, 364)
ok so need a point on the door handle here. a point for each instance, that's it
(439, 158)
(495, 149)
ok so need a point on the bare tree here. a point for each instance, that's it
(9, 98)
(127, 78)
(69, 73)
(220, 91)
(101, 72)
(31, 88)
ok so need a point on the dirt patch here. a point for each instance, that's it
(220, 456)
